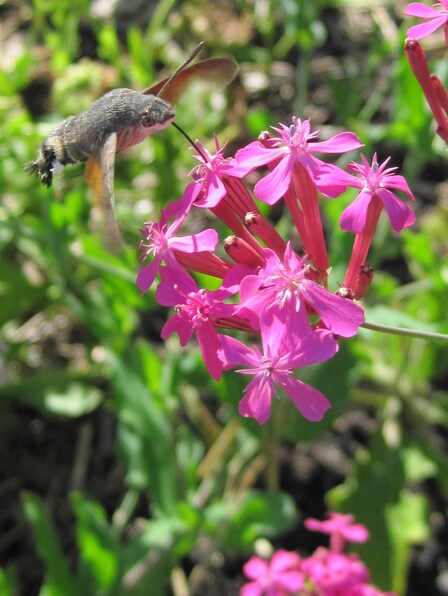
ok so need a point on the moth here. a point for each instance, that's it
(119, 119)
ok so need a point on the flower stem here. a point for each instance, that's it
(407, 332)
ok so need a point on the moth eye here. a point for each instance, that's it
(148, 119)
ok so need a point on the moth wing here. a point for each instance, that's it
(221, 70)
(100, 168)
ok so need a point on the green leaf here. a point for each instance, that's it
(59, 579)
(408, 526)
(97, 541)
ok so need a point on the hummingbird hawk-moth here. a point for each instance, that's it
(119, 119)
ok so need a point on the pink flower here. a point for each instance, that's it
(285, 284)
(279, 577)
(340, 528)
(161, 242)
(294, 145)
(209, 174)
(435, 18)
(373, 182)
(335, 574)
(283, 351)
(196, 311)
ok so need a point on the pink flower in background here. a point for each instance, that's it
(435, 18)
(335, 574)
(283, 351)
(373, 181)
(340, 527)
(294, 145)
(324, 573)
(280, 576)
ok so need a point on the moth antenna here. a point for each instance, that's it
(190, 140)
(193, 55)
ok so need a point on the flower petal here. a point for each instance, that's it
(353, 218)
(340, 143)
(256, 402)
(309, 401)
(342, 316)
(147, 274)
(424, 29)
(400, 214)
(417, 9)
(234, 353)
(272, 187)
(200, 242)
(255, 567)
(209, 343)
(254, 155)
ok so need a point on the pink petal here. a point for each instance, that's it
(200, 242)
(340, 143)
(147, 274)
(332, 181)
(173, 278)
(314, 347)
(272, 187)
(255, 567)
(253, 156)
(209, 344)
(234, 353)
(309, 401)
(398, 182)
(290, 581)
(353, 218)
(283, 560)
(214, 191)
(424, 29)
(256, 402)
(400, 214)
(273, 331)
(417, 9)
(342, 316)
(251, 589)
(180, 326)
(356, 533)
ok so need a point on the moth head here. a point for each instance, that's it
(158, 113)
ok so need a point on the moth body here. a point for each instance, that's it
(130, 114)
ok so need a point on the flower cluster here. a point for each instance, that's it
(432, 87)
(328, 572)
(267, 289)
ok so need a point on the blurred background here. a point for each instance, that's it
(124, 468)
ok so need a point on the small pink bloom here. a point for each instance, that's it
(280, 576)
(284, 350)
(340, 528)
(161, 242)
(209, 175)
(435, 18)
(196, 311)
(373, 181)
(335, 574)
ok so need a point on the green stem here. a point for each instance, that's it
(407, 332)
